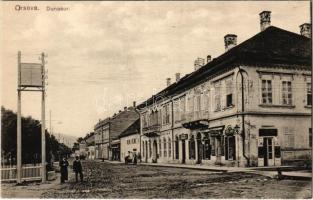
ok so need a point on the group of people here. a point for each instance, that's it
(131, 158)
(77, 168)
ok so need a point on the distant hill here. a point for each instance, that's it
(68, 140)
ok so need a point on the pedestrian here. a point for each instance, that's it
(135, 158)
(77, 167)
(64, 173)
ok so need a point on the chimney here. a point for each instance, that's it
(177, 75)
(265, 19)
(134, 104)
(199, 62)
(305, 30)
(208, 58)
(168, 81)
(230, 41)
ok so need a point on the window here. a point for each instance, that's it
(150, 150)
(143, 149)
(176, 111)
(286, 93)
(197, 105)
(160, 148)
(176, 148)
(145, 119)
(190, 105)
(267, 92)
(169, 147)
(289, 137)
(205, 102)
(164, 146)
(310, 137)
(229, 93)
(182, 108)
(163, 115)
(166, 114)
(192, 148)
(309, 94)
(217, 96)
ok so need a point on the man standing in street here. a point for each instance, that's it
(77, 167)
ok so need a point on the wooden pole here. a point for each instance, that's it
(43, 123)
(19, 122)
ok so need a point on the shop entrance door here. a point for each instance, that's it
(155, 151)
(146, 151)
(199, 148)
(268, 150)
(183, 152)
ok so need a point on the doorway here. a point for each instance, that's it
(154, 152)
(146, 151)
(183, 152)
(199, 148)
(268, 150)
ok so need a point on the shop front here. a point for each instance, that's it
(269, 153)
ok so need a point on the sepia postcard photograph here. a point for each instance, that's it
(156, 99)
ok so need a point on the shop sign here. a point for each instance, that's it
(215, 133)
(267, 132)
(183, 137)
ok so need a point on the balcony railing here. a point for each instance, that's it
(152, 128)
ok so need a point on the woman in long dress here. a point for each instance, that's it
(64, 173)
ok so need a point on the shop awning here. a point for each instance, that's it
(151, 134)
(198, 124)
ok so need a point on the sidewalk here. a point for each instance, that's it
(254, 170)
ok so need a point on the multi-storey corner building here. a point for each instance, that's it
(108, 131)
(251, 106)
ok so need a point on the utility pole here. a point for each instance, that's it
(43, 121)
(19, 122)
(50, 122)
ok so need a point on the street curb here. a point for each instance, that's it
(184, 167)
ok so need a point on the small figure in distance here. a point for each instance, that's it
(77, 168)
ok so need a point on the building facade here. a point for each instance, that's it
(130, 141)
(102, 129)
(108, 131)
(251, 106)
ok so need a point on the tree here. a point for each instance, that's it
(31, 139)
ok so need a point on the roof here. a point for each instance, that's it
(132, 129)
(271, 47)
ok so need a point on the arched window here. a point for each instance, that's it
(176, 148)
(150, 149)
(160, 148)
(143, 149)
(192, 148)
(165, 148)
(169, 147)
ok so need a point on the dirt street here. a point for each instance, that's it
(105, 180)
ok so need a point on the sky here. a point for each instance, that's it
(102, 56)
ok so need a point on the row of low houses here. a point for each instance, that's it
(250, 106)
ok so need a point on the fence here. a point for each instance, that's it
(29, 172)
